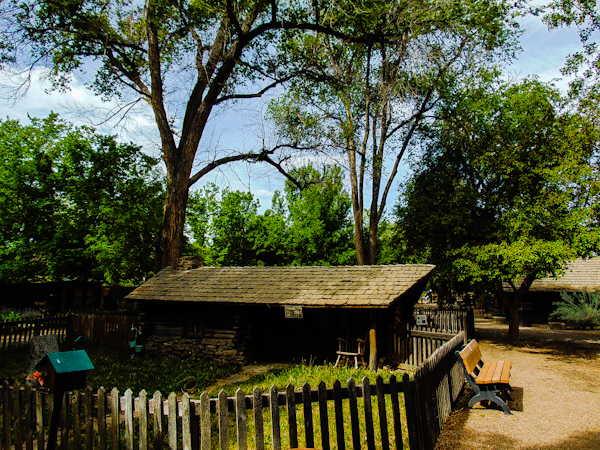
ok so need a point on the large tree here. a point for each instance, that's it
(363, 104)
(180, 56)
(505, 192)
(75, 204)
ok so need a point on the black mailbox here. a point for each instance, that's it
(65, 371)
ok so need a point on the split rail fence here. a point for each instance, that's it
(110, 329)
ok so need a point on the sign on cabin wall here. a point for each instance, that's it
(293, 312)
(421, 319)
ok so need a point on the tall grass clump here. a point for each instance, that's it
(578, 309)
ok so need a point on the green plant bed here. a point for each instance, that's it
(114, 367)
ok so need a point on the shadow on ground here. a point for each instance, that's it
(543, 343)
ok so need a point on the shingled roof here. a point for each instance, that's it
(337, 286)
(581, 275)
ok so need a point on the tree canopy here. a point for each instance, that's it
(75, 204)
(361, 104)
(506, 190)
(184, 59)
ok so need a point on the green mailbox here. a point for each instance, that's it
(65, 371)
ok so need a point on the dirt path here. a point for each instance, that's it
(559, 372)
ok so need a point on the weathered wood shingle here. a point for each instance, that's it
(581, 275)
(336, 286)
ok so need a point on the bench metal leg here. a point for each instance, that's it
(492, 397)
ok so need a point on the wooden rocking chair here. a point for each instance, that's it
(344, 352)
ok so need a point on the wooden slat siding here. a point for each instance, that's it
(28, 410)
(75, 403)
(172, 420)
(366, 388)
(353, 402)
(241, 420)
(223, 421)
(323, 419)
(308, 419)
(259, 431)
(128, 403)
(115, 411)
(18, 443)
(39, 420)
(396, 412)
(88, 402)
(101, 405)
(186, 434)
(339, 415)
(143, 420)
(383, 423)
(274, 410)
(291, 410)
(205, 431)
(158, 421)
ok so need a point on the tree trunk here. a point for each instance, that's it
(513, 322)
(514, 305)
(170, 240)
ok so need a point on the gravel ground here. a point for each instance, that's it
(559, 372)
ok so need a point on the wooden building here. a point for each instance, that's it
(245, 314)
(581, 275)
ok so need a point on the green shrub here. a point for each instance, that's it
(579, 309)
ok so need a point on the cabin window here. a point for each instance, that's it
(194, 329)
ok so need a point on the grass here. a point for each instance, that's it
(297, 376)
(114, 367)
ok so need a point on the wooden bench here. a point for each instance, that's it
(489, 380)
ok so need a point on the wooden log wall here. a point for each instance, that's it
(338, 417)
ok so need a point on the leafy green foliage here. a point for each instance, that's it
(304, 227)
(74, 204)
(319, 229)
(585, 64)
(506, 188)
(580, 309)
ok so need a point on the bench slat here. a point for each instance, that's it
(489, 376)
(494, 372)
(471, 355)
(504, 378)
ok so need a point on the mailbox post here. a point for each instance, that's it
(64, 371)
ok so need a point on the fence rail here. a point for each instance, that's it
(103, 329)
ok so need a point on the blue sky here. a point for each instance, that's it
(240, 127)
